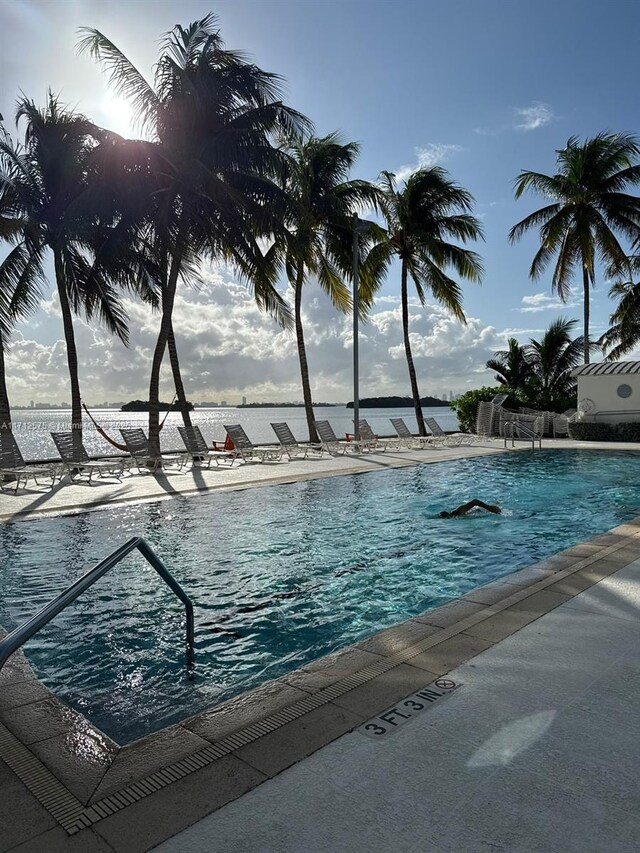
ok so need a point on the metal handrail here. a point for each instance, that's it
(17, 638)
(531, 435)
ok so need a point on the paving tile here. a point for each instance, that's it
(398, 637)
(13, 694)
(491, 593)
(539, 602)
(329, 669)
(289, 744)
(376, 695)
(449, 614)
(229, 717)
(539, 571)
(57, 841)
(145, 756)
(501, 625)
(41, 720)
(450, 653)
(578, 581)
(78, 758)
(151, 820)
(21, 815)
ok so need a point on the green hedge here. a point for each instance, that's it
(583, 431)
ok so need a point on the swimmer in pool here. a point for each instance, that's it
(463, 509)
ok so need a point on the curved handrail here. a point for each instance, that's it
(530, 434)
(18, 637)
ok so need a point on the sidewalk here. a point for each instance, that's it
(537, 750)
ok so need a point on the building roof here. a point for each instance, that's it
(604, 368)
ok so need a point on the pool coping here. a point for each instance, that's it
(227, 750)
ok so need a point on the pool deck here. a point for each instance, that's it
(538, 749)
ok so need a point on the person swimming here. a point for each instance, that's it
(463, 509)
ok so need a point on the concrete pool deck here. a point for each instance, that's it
(66, 787)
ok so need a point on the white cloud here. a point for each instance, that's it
(544, 302)
(427, 156)
(534, 116)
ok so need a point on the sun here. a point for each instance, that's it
(118, 115)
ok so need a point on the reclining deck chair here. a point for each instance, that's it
(76, 460)
(14, 470)
(290, 445)
(246, 450)
(197, 447)
(332, 444)
(138, 446)
(449, 439)
(375, 442)
(410, 441)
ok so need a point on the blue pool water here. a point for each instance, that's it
(290, 572)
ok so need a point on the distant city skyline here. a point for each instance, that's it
(506, 103)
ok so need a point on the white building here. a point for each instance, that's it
(608, 391)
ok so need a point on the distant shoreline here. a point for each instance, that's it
(284, 405)
(398, 403)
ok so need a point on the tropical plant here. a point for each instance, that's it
(421, 218)
(319, 235)
(49, 207)
(552, 360)
(511, 366)
(589, 206)
(211, 118)
(623, 333)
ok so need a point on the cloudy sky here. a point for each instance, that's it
(484, 89)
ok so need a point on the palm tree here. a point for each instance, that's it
(589, 205)
(319, 236)
(511, 367)
(421, 219)
(623, 333)
(49, 207)
(211, 118)
(552, 360)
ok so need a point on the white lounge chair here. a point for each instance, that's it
(13, 469)
(411, 441)
(291, 446)
(375, 442)
(332, 444)
(246, 450)
(197, 448)
(449, 439)
(76, 460)
(138, 446)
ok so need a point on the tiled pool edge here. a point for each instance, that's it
(498, 610)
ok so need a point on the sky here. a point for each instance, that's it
(482, 89)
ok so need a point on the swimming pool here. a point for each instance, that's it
(282, 575)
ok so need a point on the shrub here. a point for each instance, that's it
(466, 406)
(587, 431)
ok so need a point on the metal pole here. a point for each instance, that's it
(356, 391)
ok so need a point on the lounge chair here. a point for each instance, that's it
(411, 441)
(198, 450)
(332, 444)
(76, 460)
(290, 444)
(246, 450)
(138, 446)
(449, 439)
(375, 442)
(13, 469)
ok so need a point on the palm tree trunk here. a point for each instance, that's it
(70, 340)
(302, 357)
(407, 346)
(585, 287)
(5, 409)
(168, 298)
(177, 378)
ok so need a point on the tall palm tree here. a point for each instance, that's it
(623, 333)
(211, 118)
(589, 206)
(512, 367)
(552, 360)
(421, 219)
(319, 234)
(48, 203)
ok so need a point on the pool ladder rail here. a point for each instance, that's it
(526, 433)
(17, 638)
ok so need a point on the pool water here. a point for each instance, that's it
(280, 576)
